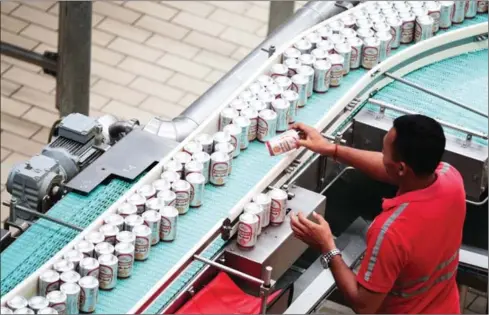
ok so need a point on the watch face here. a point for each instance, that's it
(324, 262)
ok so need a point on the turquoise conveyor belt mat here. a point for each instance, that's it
(248, 169)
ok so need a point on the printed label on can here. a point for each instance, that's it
(436, 20)
(110, 239)
(277, 214)
(336, 74)
(53, 286)
(106, 276)
(142, 247)
(262, 128)
(88, 300)
(182, 201)
(407, 32)
(94, 272)
(245, 234)
(253, 129)
(219, 172)
(125, 265)
(354, 56)
(370, 57)
(166, 226)
(60, 307)
(234, 141)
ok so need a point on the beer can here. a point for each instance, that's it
(47, 310)
(396, 30)
(313, 38)
(401, 5)
(407, 27)
(264, 101)
(72, 292)
(143, 242)
(109, 231)
(193, 147)
(325, 32)
(283, 82)
(385, 39)
(267, 123)
(281, 108)
(337, 69)
(168, 227)
(265, 202)
(116, 220)
(348, 33)
(256, 209)
(69, 277)
(174, 166)
(299, 85)
(327, 46)
(162, 185)
(88, 294)
(95, 237)
(219, 170)
(292, 98)
(247, 96)
(221, 136)
(482, 6)
(359, 14)
(181, 157)
(336, 39)
(356, 45)
(131, 221)
(127, 209)
(85, 247)
(171, 176)
(290, 53)
(139, 200)
(147, 190)
(6, 310)
(235, 132)
(458, 13)
(125, 254)
(424, 28)
(417, 12)
(304, 46)
(168, 197)
(247, 230)
(89, 267)
(182, 192)
(322, 75)
(307, 59)
(48, 281)
(364, 23)
(377, 18)
(109, 265)
(434, 8)
(244, 123)
(17, 302)
(336, 26)
(63, 265)
(238, 105)
(226, 117)
(283, 143)
(37, 303)
(370, 53)
(152, 219)
(75, 256)
(197, 184)
(255, 88)
(103, 249)
(344, 50)
(348, 22)
(319, 54)
(126, 237)
(389, 13)
(293, 65)
(206, 141)
(471, 9)
(275, 90)
(252, 115)
(57, 300)
(193, 167)
(278, 206)
(308, 72)
(381, 27)
(278, 70)
(363, 33)
(264, 80)
(227, 148)
(204, 158)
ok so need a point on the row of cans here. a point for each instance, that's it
(265, 209)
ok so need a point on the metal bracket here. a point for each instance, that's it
(53, 56)
(271, 50)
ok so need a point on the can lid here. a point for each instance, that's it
(230, 111)
(313, 37)
(70, 288)
(88, 262)
(124, 247)
(163, 184)
(425, 19)
(232, 129)
(270, 114)
(224, 147)
(196, 178)
(111, 259)
(248, 217)
(292, 63)
(246, 95)
(182, 184)
(151, 215)
(220, 156)
(56, 296)
(280, 103)
(95, 237)
(371, 41)
(336, 59)
(37, 302)
(141, 230)
(154, 203)
(299, 79)
(50, 275)
(324, 32)
(193, 146)
(222, 136)
(182, 157)
(166, 195)
(84, 246)
(91, 282)
(114, 219)
(133, 219)
(251, 112)
(147, 189)
(279, 68)
(47, 310)
(202, 156)
(263, 96)
(278, 194)
(171, 176)
(169, 211)
(103, 247)
(109, 229)
(306, 71)
(24, 310)
(290, 95)
(283, 81)
(253, 207)
(336, 25)
(264, 79)
(137, 199)
(262, 198)
(63, 264)
(125, 236)
(241, 121)
(70, 275)
(292, 52)
(302, 44)
(17, 302)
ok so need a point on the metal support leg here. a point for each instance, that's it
(280, 11)
(74, 46)
(265, 289)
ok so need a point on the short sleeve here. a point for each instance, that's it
(383, 261)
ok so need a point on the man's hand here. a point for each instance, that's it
(317, 235)
(313, 140)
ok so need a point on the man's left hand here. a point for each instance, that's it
(317, 235)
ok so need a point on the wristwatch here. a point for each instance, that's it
(326, 258)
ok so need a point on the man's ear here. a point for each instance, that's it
(402, 169)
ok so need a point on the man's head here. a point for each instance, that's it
(413, 147)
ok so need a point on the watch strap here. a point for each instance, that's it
(329, 256)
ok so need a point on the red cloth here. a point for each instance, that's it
(412, 248)
(223, 296)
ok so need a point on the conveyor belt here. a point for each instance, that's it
(44, 239)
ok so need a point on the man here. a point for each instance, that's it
(412, 245)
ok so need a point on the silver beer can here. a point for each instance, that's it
(264, 80)
(147, 190)
(126, 209)
(69, 277)
(292, 98)
(482, 6)
(244, 123)
(348, 22)
(255, 88)
(182, 192)
(322, 75)
(278, 206)
(337, 69)
(319, 53)
(125, 254)
(89, 267)
(63, 265)
(152, 219)
(197, 184)
(72, 291)
(336, 39)
(290, 53)
(282, 109)
(235, 132)
(247, 96)
(325, 32)
(407, 27)
(88, 294)
(293, 65)
(17, 302)
(344, 50)
(257, 210)
(267, 123)
(359, 14)
(206, 141)
(95, 237)
(283, 82)
(471, 8)
(171, 176)
(219, 170)
(221, 137)
(23, 311)
(264, 101)
(363, 33)
(37, 303)
(162, 185)
(109, 231)
(364, 23)
(424, 28)
(204, 158)
(174, 166)
(143, 242)
(308, 72)
(193, 147)
(419, 11)
(181, 157)
(109, 265)
(227, 148)
(48, 281)
(239, 104)
(304, 46)
(47, 310)
(313, 38)
(299, 85)
(377, 18)
(381, 27)
(385, 39)
(57, 300)
(168, 197)
(75, 256)
(131, 221)
(116, 220)
(265, 202)
(103, 249)
(247, 230)
(126, 237)
(336, 26)
(356, 45)
(348, 33)
(371, 52)
(307, 59)
(434, 8)
(278, 70)
(85, 247)
(193, 167)
(226, 117)
(139, 200)
(168, 227)
(252, 115)
(396, 30)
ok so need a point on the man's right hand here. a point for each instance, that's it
(313, 140)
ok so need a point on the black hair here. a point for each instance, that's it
(420, 143)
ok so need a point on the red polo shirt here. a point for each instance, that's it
(412, 248)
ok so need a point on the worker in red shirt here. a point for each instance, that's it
(411, 258)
